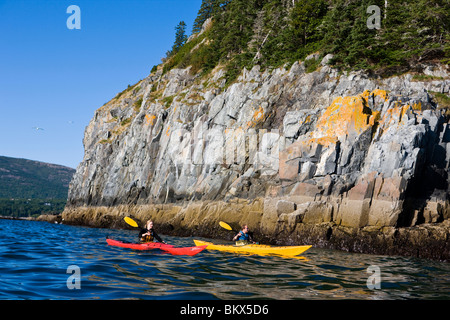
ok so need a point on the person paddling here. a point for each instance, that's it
(148, 234)
(243, 236)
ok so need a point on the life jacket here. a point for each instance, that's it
(243, 236)
(148, 238)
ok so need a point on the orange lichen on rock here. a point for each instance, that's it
(325, 141)
(417, 106)
(150, 119)
(258, 116)
(374, 118)
(396, 114)
(307, 120)
(379, 93)
(348, 115)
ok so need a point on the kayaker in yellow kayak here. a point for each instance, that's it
(243, 237)
(148, 234)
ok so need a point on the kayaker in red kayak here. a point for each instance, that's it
(148, 234)
(243, 236)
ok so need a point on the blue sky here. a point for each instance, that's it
(55, 78)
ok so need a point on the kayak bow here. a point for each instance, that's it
(188, 251)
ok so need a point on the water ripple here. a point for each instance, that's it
(36, 268)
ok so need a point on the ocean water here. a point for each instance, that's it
(39, 260)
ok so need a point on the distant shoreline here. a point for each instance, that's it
(17, 218)
(43, 217)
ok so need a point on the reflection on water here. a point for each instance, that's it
(36, 269)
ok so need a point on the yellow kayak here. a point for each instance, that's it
(255, 248)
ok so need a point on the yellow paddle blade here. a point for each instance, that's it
(131, 222)
(225, 225)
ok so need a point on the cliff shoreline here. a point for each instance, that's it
(428, 241)
(338, 160)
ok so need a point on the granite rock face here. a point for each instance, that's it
(309, 148)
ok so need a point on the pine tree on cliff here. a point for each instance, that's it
(205, 12)
(234, 27)
(306, 17)
(180, 37)
(272, 33)
(305, 20)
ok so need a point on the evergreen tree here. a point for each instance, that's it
(180, 37)
(361, 39)
(347, 36)
(306, 17)
(276, 40)
(206, 11)
(274, 32)
(305, 20)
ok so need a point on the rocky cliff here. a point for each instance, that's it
(335, 159)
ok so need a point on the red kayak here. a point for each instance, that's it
(189, 251)
(138, 246)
